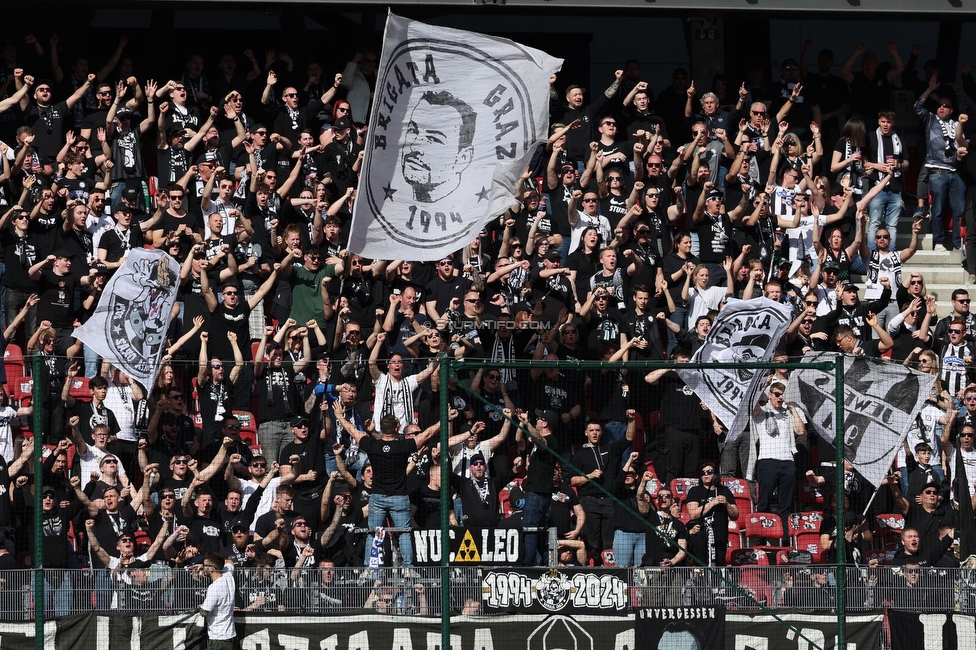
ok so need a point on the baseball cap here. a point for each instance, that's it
(342, 123)
(298, 420)
(831, 264)
(715, 194)
(130, 193)
(548, 415)
(63, 252)
(123, 112)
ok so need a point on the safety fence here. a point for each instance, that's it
(483, 591)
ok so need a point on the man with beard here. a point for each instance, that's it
(395, 394)
(578, 140)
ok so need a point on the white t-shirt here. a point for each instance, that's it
(91, 462)
(702, 302)
(219, 605)
(969, 462)
(7, 414)
(395, 397)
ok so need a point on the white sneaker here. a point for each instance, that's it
(939, 248)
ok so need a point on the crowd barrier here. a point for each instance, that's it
(484, 590)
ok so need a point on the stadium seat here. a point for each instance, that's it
(505, 497)
(810, 495)
(681, 486)
(740, 490)
(794, 557)
(80, 390)
(799, 523)
(249, 427)
(890, 525)
(764, 525)
(881, 555)
(808, 542)
(748, 557)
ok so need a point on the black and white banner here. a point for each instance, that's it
(562, 590)
(937, 631)
(129, 324)
(470, 546)
(744, 331)
(680, 627)
(709, 628)
(118, 631)
(135, 631)
(881, 401)
(456, 117)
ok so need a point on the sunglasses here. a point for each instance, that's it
(168, 496)
(954, 331)
(180, 461)
(495, 377)
(708, 472)
(290, 95)
(655, 164)
(110, 461)
(609, 124)
(812, 303)
(758, 112)
(963, 301)
(777, 394)
(216, 366)
(259, 465)
(477, 462)
(589, 200)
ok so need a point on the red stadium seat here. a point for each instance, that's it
(740, 490)
(809, 542)
(764, 525)
(80, 390)
(794, 557)
(249, 427)
(804, 522)
(748, 557)
(890, 524)
(681, 486)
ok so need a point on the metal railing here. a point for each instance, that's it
(415, 591)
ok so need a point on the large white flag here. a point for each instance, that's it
(881, 401)
(744, 331)
(456, 118)
(129, 324)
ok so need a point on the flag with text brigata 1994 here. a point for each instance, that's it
(456, 118)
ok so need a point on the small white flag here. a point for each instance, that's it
(744, 331)
(129, 324)
(456, 118)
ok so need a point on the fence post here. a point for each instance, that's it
(38, 505)
(839, 505)
(445, 373)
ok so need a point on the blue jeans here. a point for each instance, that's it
(535, 513)
(397, 508)
(614, 431)
(679, 316)
(884, 211)
(946, 185)
(628, 548)
(57, 600)
(103, 588)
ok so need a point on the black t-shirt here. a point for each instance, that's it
(57, 298)
(118, 247)
(47, 125)
(19, 254)
(538, 477)
(717, 520)
(389, 461)
(226, 320)
(714, 238)
(564, 500)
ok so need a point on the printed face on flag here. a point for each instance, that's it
(438, 146)
(456, 117)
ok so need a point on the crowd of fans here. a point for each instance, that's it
(633, 225)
